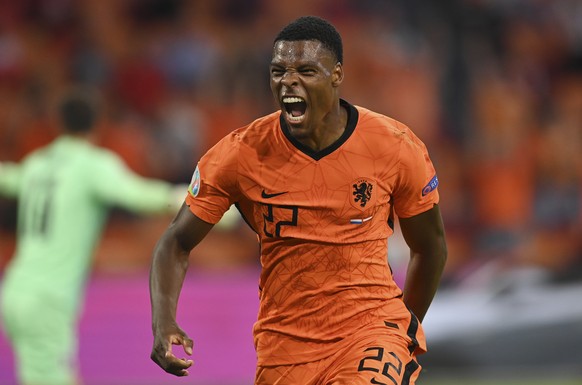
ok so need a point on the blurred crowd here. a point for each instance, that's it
(493, 87)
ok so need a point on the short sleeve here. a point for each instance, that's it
(416, 187)
(214, 185)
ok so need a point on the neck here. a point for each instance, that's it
(329, 130)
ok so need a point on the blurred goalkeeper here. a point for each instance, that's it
(64, 191)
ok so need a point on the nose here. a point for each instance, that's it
(289, 78)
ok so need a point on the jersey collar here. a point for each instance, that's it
(317, 155)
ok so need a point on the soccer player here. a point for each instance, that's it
(63, 192)
(320, 181)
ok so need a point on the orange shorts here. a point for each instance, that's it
(374, 355)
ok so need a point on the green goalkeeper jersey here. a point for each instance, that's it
(64, 191)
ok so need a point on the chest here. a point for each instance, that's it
(287, 195)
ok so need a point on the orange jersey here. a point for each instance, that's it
(323, 219)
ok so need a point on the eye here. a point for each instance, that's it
(308, 71)
(276, 72)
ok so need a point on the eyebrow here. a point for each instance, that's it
(302, 65)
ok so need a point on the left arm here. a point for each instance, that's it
(130, 191)
(424, 234)
(10, 176)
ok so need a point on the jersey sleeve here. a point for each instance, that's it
(416, 187)
(214, 185)
(10, 177)
(116, 185)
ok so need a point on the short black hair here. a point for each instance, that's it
(77, 114)
(314, 28)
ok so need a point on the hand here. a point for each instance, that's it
(162, 352)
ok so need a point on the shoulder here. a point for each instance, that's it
(78, 152)
(258, 130)
(97, 152)
(38, 158)
(253, 135)
(99, 158)
(384, 132)
(375, 123)
(38, 154)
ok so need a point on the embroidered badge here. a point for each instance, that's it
(431, 186)
(194, 187)
(362, 192)
(362, 195)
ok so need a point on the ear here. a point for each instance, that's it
(337, 76)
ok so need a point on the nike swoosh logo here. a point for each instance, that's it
(268, 196)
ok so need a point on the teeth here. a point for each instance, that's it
(295, 118)
(292, 99)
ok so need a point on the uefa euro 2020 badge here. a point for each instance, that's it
(431, 186)
(194, 187)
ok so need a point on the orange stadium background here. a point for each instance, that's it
(493, 87)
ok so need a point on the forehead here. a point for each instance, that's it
(313, 51)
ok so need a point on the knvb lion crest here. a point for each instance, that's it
(362, 190)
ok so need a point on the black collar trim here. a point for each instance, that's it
(317, 155)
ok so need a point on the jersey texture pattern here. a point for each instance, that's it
(323, 219)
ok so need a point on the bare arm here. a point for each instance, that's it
(425, 235)
(168, 269)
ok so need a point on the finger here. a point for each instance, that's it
(176, 366)
(183, 340)
(188, 344)
(171, 358)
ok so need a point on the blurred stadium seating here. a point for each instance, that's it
(493, 87)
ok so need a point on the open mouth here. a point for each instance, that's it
(295, 108)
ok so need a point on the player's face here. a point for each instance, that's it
(305, 78)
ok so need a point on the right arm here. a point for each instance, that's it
(213, 183)
(168, 269)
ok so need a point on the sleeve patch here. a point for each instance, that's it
(194, 187)
(431, 186)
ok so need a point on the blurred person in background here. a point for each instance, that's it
(320, 182)
(64, 191)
